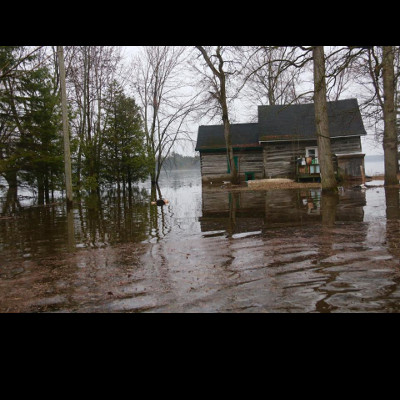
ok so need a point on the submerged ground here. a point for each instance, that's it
(208, 250)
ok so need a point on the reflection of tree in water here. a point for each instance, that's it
(112, 217)
(328, 203)
(159, 226)
(91, 219)
(266, 210)
(392, 220)
(70, 229)
(95, 220)
(37, 229)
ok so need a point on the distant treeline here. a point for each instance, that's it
(177, 161)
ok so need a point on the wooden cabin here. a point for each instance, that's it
(278, 145)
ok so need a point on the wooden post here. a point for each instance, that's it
(67, 154)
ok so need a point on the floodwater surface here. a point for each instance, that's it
(210, 249)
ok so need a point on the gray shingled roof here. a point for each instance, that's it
(291, 122)
(211, 137)
(297, 121)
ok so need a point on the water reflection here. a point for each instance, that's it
(95, 221)
(329, 202)
(113, 218)
(207, 250)
(71, 230)
(250, 211)
(392, 220)
(98, 221)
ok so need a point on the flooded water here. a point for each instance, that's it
(209, 250)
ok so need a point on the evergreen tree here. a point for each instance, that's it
(9, 135)
(40, 147)
(124, 159)
(30, 143)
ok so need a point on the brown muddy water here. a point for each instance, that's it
(209, 250)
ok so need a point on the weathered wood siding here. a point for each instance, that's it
(214, 166)
(279, 156)
(346, 145)
(349, 164)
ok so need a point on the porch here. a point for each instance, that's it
(307, 168)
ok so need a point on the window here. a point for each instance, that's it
(312, 152)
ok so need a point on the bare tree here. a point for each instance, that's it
(338, 62)
(281, 72)
(165, 98)
(90, 71)
(377, 72)
(222, 69)
(268, 77)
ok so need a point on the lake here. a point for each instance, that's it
(374, 165)
(209, 250)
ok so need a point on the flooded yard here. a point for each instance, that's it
(208, 250)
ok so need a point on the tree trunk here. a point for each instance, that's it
(389, 115)
(227, 131)
(328, 179)
(67, 155)
(129, 181)
(12, 193)
(392, 203)
(46, 188)
(153, 166)
(40, 184)
(229, 152)
(153, 176)
(12, 203)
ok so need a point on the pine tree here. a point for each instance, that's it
(40, 147)
(124, 159)
(29, 137)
